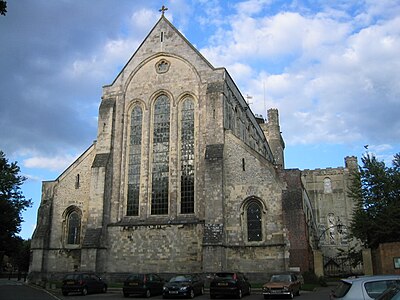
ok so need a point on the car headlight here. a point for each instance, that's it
(165, 288)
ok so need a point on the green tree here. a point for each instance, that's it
(3, 7)
(376, 189)
(20, 257)
(12, 203)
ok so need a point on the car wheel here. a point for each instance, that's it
(84, 291)
(126, 295)
(147, 294)
(65, 293)
(239, 294)
(191, 295)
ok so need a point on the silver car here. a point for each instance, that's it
(364, 287)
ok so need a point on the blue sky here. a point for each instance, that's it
(332, 68)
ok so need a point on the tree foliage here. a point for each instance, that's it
(376, 189)
(12, 203)
(3, 7)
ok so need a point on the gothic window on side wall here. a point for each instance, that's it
(134, 160)
(187, 156)
(254, 221)
(73, 222)
(160, 162)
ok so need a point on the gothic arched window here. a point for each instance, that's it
(254, 221)
(187, 157)
(73, 228)
(135, 152)
(160, 163)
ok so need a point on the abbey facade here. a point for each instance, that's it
(183, 177)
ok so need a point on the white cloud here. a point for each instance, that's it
(332, 81)
(56, 163)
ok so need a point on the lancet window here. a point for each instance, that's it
(187, 157)
(160, 161)
(254, 221)
(135, 152)
(73, 228)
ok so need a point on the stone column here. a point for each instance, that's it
(367, 262)
(318, 263)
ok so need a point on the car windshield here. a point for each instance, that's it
(280, 278)
(342, 289)
(136, 277)
(180, 278)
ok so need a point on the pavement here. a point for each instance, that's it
(12, 281)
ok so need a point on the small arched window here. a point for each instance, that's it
(254, 221)
(327, 185)
(73, 228)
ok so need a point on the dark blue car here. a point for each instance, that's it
(184, 286)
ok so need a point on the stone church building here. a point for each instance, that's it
(183, 177)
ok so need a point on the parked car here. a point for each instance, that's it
(364, 287)
(392, 293)
(143, 284)
(183, 285)
(229, 284)
(282, 285)
(84, 283)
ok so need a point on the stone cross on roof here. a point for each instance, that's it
(163, 9)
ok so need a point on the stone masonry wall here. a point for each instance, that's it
(294, 216)
(384, 258)
(248, 175)
(60, 257)
(330, 200)
(160, 249)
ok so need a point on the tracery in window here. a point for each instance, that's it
(187, 157)
(160, 163)
(73, 228)
(135, 152)
(254, 221)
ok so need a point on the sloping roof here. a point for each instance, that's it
(163, 20)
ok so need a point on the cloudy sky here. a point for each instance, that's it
(332, 68)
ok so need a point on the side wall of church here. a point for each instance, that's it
(249, 176)
(71, 189)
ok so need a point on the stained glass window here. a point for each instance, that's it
(187, 157)
(254, 229)
(135, 152)
(74, 228)
(160, 164)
